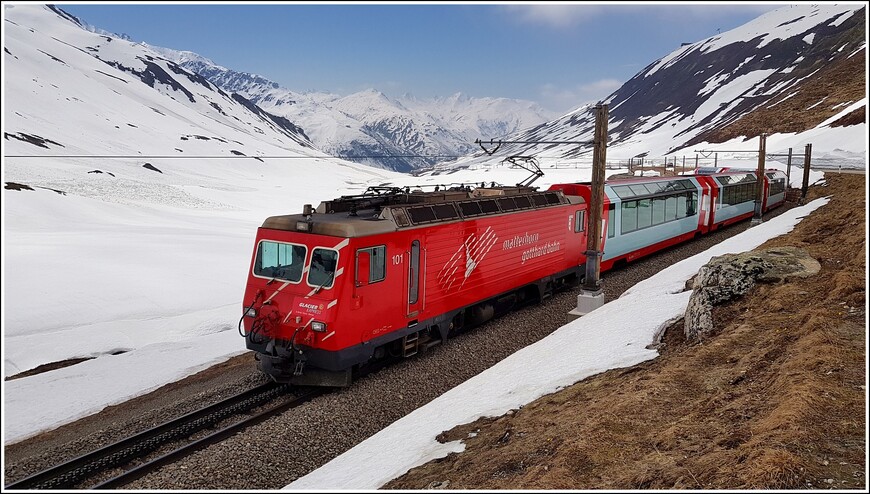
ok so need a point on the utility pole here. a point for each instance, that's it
(759, 181)
(592, 296)
(788, 171)
(808, 152)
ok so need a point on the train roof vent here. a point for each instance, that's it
(432, 213)
(503, 191)
(449, 211)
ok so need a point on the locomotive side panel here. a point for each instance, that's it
(489, 256)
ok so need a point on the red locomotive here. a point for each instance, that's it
(392, 271)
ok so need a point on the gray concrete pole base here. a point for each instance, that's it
(587, 301)
(756, 221)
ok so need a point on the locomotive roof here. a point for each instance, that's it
(389, 211)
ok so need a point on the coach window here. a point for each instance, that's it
(611, 223)
(671, 208)
(691, 203)
(644, 213)
(579, 221)
(377, 263)
(629, 216)
(658, 210)
(322, 272)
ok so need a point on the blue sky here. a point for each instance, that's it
(559, 55)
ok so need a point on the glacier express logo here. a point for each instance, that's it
(310, 308)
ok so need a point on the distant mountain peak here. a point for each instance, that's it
(786, 71)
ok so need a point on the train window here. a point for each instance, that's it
(322, 272)
(280, 261)
(681, 205)
(579, 221)
(611, 221)
(658, 210)
(776, 187)
(639, 189)
(656, 187)
(414, 273)
(737, 194)
(644, 213)
(629, 216)
(623, 192)
(670, 208)
(692, 204)
(377, 263)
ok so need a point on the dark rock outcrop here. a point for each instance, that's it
(732, 275)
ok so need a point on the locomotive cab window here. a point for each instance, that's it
(322, 272)
(374, 259)
(280, 261)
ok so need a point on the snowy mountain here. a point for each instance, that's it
(403, 134)
(74, 92)
(789, 71)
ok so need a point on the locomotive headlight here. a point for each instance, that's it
(252, 312)
(303, 226)
(318, 326)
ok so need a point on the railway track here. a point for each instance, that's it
(76, 472)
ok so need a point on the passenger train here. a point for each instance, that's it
(393, 271)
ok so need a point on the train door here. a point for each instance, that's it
(370, 270)
(415, 286)
(705, 207)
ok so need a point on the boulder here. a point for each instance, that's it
(732, 275)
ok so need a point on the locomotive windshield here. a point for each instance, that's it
(322, 270)
(281, 261)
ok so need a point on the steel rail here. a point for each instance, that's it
(217, 436)
(70, 473)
